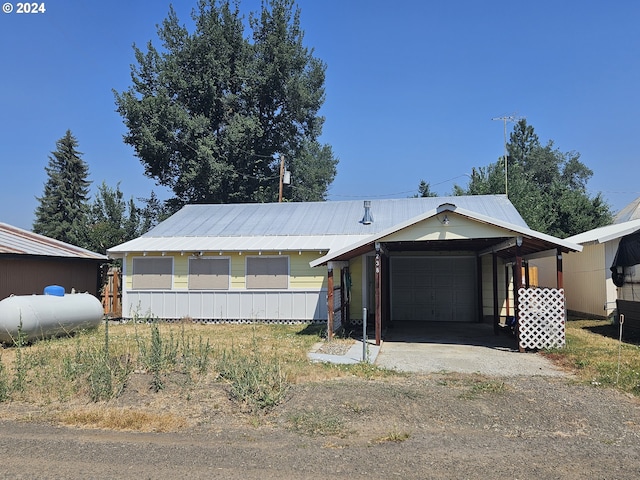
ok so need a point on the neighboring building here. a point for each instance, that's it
(433, 258)
(589, 286)
(628, 213)
(29, 262)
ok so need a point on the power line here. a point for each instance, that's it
(383, 195)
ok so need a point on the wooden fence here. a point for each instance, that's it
(112, 293)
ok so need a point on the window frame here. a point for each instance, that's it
(227, 259)
(251, 278)
(138, 277)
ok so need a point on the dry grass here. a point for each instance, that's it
(125, 419)
(150, 365)
(596, 355)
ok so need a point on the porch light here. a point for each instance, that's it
(445, 220)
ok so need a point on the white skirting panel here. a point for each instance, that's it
(297, 305)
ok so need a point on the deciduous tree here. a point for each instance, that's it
(548, 187)
(209, 112)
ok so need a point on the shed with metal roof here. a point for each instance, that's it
(29, 262)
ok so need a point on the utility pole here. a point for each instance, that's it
(281, 177)
(285, 177)
(505, 119)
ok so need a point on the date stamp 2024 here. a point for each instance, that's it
(24, 7)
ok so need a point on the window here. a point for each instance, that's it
(152, 273)
(268, 272)
(208, 274)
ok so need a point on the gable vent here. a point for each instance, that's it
(368, 218)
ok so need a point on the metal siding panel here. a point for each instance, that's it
(272, 308)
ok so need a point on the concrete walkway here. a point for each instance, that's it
(355, 354)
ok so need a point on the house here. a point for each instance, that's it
(413, 259)
(589, 283)
(30, 262)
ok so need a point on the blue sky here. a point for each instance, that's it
(411, 89)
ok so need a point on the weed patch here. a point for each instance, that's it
(318, 423)
(255, 379)
(394, 436)
(484, 387)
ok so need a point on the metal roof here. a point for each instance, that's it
(14, 240)
(604, 234)
(630, 212)
(537, 241)
(298, 225)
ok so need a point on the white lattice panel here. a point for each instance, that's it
(542, 317)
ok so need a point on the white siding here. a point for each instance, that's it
(227, 305)
(585, 275)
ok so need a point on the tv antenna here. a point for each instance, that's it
(507, 119)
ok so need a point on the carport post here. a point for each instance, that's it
(330, 300)
(559, 269)
(517, 284)
(378, 294)
(496, 312)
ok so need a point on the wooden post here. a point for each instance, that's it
(517, 284)
(115, 291)
(281, 177)
(496, 311)
(479, 304)
(378, 295)
(330, 301)
(559, 280)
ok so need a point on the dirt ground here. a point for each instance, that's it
(437, 426)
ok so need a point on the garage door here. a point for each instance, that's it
(441, 289)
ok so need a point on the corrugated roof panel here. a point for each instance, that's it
(18, 241)
(606, 233)
(244, 223)
(238, 244)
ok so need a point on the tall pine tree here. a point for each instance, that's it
(62, 212)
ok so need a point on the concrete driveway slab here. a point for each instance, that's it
(429, 347)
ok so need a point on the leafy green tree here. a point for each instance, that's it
(209, 113)
(548, 187)
(62, 209)
(313, 165)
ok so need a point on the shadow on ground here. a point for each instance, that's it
(629, 335)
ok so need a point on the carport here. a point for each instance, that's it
(449, 265)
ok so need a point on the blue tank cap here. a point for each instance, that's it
(55, 290)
